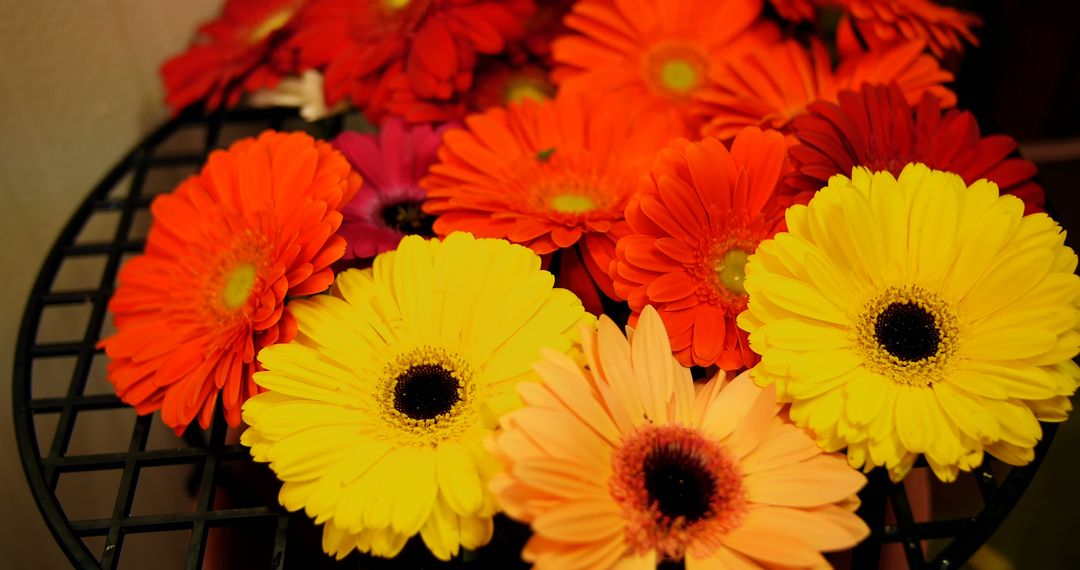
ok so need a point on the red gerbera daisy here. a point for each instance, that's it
(496, 83)
(430, 44)
(875, 127)
(770, 87)
(544, 26)
(657, 53)
(549, 175)
(226, 248)
(885, 23)
(795, 10)
(231, 55)
(693, 223)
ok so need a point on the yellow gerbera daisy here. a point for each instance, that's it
(375, 416)
(917, 316)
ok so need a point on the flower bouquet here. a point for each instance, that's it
(659, 280)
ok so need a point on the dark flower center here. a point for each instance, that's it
(425, 391)
(907, 331)
(408, 218)
(678, 483)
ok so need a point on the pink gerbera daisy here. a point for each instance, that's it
(387, 208)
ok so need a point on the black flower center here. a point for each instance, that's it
(678, 483)
(907, 331)
(408, 218)
(425, 391)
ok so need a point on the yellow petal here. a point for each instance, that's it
(458, 480)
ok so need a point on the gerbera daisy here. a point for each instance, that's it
(772, 86)
(796, 10)
(693, 223)
(374, 419)
(387, 208)
(431, 43)
(496, 83)
(876, 128)
(550, 175)
(224, 251)
(500, 84)
(231, 55)
(658, 54)
(916, 315)
(623, 465)
(544, 26)
(886, 23)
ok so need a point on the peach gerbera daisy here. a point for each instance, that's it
(225, 250)
(693, 223)
(770, 87)
(551, 175)
(656, 53)
(623, 465)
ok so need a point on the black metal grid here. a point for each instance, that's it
(885, 505)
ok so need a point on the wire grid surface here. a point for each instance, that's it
(124, 195)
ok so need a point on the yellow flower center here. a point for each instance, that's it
(275, 22)
(908, 334)
(238, 286)
(426, 396)
(572, 203)
(522, 90)
(731, 271)
(396, 4)
(679, 76)
(675, 69)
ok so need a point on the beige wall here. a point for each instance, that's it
(78, 87)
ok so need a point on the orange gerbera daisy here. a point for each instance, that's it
(770, 87)
(886, 23)
(693, 223)
(225, 250)
(432, 44)
(624, 465)
(657, 53)
(550, 175)
(231, 55)
(876, 128)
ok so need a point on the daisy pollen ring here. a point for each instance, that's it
(675, 486)
(426, 392)
(908, 334)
